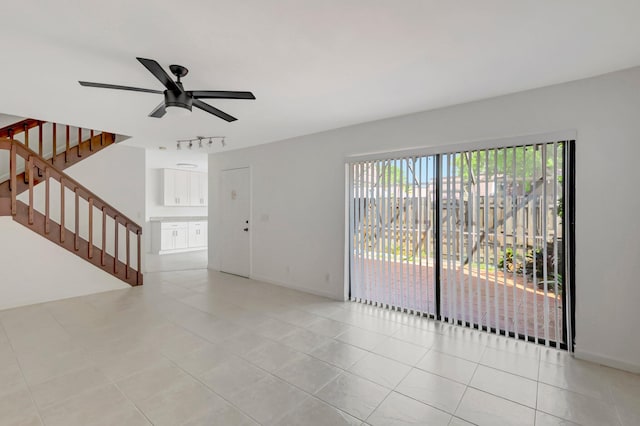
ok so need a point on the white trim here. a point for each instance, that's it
(465, 146)
(184, 250)
(607, 361)
(296, 287)
(251, 221)
(348, 249)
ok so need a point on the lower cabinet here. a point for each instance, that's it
(175, 236)
(197, 234)
(170, 236)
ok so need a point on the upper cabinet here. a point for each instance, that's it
(198, 189)
(184, 188)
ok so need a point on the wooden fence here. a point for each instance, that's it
(404, 226)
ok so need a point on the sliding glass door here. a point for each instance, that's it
(472, 237)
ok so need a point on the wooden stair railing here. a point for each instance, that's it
(88, 142)
(43, 224)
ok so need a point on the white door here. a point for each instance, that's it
(235, 229)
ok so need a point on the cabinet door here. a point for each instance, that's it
(198, 189)
(194, 189)
(182, 187)
(204, 234)
(204, 190)
(197, 234)
(169, 187)
(194, 230)
(167, 239)
(181, 238)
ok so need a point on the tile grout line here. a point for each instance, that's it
(109, 379)
(467, 388)
(33, 401)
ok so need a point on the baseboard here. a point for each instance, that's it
(295, 287)
(176, 251)
(607, 361)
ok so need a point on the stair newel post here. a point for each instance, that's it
(62, 209)
(68, 145)
(115, 245)
(90, 249)
(13, 179)
(47, 214)
(40, 147)
(30, 167)
(26, 142)
(126, 228)
(139, 268)
(79, 141)
(104, 236)
(77, 219)
(25, 128)
(91, 141)
(55, 143)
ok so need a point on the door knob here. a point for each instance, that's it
(246, 229)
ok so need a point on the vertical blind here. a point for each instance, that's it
(472, 237)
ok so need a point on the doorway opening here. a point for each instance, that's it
(177, 210)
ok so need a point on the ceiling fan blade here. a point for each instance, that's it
(221, 94)
(159, 111)
(155, 69)
(211, 110)
(115, 86)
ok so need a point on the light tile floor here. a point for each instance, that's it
(205, 348)
(176, 261)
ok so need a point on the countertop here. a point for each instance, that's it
(179, 219)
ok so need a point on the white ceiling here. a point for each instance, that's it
(169, 159)
(313, 65)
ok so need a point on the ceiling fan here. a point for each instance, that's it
(175, 96)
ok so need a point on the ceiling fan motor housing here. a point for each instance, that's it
(180, 100)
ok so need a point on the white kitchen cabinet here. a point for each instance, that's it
(198, 189)
(176, 187)
(177, 236)
(174, 236)
(184, 188)
(197, 234)
(166, 239)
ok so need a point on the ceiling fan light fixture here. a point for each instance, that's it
(177, 104)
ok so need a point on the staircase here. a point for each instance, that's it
(39, 195)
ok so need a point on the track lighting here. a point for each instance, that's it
(200, 139)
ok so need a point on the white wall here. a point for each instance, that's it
(48, 272)
(117, 175)
(298, 196)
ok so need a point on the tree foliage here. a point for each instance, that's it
(520, 163)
